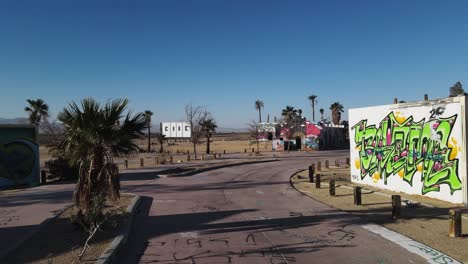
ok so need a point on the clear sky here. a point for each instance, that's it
(226, 54)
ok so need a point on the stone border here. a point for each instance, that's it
(110, 254)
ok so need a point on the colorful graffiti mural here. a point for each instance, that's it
(19, 156)
(415, 150)
(311, 140)
(404, 147)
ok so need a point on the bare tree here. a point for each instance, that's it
(194, 114)
(254, 132)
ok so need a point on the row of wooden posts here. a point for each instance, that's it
(455, 215)
(171, 159)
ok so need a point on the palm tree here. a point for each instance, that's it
(259, 105)
(94, 134)
(208, 127)
(148, 115)
(38, 110)
(321, 112)
(337, 109)
(160, 137)
(313, 100)
(289, 115)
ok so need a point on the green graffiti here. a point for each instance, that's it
(406, 147)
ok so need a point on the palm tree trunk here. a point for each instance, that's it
(313, 111)
(149, 139)
(207, 145)
(259, 115)
(258, 149)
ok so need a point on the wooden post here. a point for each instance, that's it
(327, 166)
(253, 150)
(311, 174)
(245, 150)
(188, 152)
(347, 161)
(396, 206)
(331, 188)
(142, 163)
(319, 166)
(43, 176)
(357, 195)
(126, 164)
(172, 159)
(224, 152)
(188, 157)
(317, 181)
(455, 223)
(313, 166)
(157, 160)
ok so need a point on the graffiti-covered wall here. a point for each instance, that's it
(412, 148)
(19, 156)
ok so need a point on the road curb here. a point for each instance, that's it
(190, 173)
(430, 254)
(110, 254)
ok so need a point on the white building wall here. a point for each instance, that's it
(175, 129)
(415, 148)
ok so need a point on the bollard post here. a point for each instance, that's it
(188, 152)
(313, 167)
(347, 161)
(126, 164)
(455, 223)
(331, 188)
(319, 166)
(172, 159)
(188, 157)
(43, 176)
(327, 166)
(357, 195)
(245, 150)
(253, 150)
(224, 152)
(396, 206)
(311, 174)
(317, 181)
(142, 163)
(157, 160)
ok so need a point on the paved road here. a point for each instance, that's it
(247, 214)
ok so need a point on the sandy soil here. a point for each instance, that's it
(428, 225)
(59, 241)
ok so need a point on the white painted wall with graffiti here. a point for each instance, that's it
(415, 148)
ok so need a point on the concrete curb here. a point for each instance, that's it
(110, 254)
(190, 173)
(429, 254)
(32, 233)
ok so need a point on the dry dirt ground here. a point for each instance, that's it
(68, 239)
(428, 225)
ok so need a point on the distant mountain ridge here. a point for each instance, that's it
(14, 121)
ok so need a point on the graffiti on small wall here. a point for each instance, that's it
(19, 156)
(404, 146)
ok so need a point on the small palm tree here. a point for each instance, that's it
(38, 110)
(336, 109)
(148, 114)
(208, 127)
(289, 115)
(160, 137)
(259, 105)
(321, 113)
(94, 134)
(313, 99)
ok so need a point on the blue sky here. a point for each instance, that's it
(225, 54)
